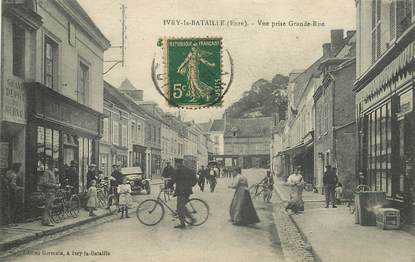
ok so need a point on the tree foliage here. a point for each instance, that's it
(265, 98)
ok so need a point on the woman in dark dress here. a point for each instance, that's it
(242, 210)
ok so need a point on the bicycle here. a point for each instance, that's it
(102, 194)
(64, 203)
(151, 211)
(256, 189)
(112, 204)
(168, 189)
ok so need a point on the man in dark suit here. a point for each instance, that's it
(167, 173)
(185, 179)
(329, 181)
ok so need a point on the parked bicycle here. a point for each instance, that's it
(65, 203)
(103, 194)
(151, 211)
(258, 189)
(113, 204)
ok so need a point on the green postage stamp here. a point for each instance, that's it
(193, 69)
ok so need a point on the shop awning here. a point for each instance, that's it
(292, 151)
(372, 89)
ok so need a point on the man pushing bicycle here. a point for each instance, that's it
(185, 179)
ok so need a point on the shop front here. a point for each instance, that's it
(299, 155)
(155, 162)
(139, 157)
(61, 132)
(386, 123)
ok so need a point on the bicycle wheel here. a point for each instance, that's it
(101, 203)
(57, 210)
(113, 204)
(198, 212)
(74, 205)
(150, 212)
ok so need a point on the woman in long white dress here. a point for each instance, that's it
(242, 210)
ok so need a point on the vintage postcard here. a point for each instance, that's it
(199, 130)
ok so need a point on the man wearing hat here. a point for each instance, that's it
(330, 180)
(185, 179)
(91, 174)
(11, 191)
(116, 180)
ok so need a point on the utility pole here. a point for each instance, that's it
(122, 46)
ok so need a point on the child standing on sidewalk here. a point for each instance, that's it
(338, 193)
(92, 198)
(124, 191)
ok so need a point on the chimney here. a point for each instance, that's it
(326, 49)
(128, 88)
(350, 33)
(336, 40)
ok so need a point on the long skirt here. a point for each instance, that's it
(296, 204)
(242, 210)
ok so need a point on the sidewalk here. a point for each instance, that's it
(334, 236)
(13, 236)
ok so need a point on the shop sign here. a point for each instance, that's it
(14, 101)
(71, 115)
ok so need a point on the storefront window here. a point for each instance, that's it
(48, 146)
(40, 149)
(379, 149)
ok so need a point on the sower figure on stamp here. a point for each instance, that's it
(190, 67)
(185, 179)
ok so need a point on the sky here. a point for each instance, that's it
(258, 51)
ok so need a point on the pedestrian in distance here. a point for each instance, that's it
(242, 210)
(167, 174)
(115, 180)
(124, 191)
(202, 177)
(296, 183)
(92, 174)
(338, 193)
(330, 181)
(185, 179)
(92, 198)
(268, 182)
(212, 179)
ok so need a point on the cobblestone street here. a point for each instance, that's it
(212, 241)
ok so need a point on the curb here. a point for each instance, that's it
(4, 247)
(300, 231)
(313, 251)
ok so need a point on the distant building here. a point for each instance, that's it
(334, 134)
(247, 142)
(216, 133)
